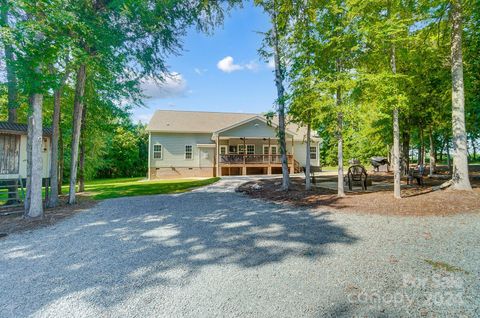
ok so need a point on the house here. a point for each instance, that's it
(13, 151)
(206, 144)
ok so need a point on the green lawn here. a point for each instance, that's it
(126, 187)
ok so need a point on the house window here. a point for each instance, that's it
(188, 152)
(241, 149)
(313, 153)
(232, 149)
(274, 150)
(223, 150)
(157, 151)
(250, 149)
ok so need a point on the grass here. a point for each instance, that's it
(126, 187)
(444, 266)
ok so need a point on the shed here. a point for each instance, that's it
(13, 150)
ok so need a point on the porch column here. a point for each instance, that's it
(269, 157)
(292, 167)
(217, 158)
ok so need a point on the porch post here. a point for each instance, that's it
(292, 167)
(217, 158)
(244, 168)
(269, 158)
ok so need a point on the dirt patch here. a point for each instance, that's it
(16, 223)
(415, 200)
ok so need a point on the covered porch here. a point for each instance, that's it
(252, 156)
(252, 147)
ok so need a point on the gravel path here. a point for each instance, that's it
(213, 252)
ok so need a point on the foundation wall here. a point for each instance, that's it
(174, 173)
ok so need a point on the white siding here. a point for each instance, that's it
(301, 153)
(22, 167)
(173, 147)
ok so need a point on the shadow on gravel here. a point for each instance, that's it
(128, 245)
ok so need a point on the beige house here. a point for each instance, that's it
(206, 144)
(13, 151)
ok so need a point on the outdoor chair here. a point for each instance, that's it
(417, 174)
(357, 173)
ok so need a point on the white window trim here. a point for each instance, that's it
(314, 152)
(185, 152)
(161, 151)
(246, 149)
(268, 149)
(276, 149)
(223, 147)
(236, 148)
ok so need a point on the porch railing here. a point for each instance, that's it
(255, 159)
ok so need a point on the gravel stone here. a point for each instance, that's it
(213, 252)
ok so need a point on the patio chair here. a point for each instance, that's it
(357, 173)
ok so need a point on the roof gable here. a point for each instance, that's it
(174, 121)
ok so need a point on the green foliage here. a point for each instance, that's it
(347, 45)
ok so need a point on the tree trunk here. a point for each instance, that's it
(61, 160)
(77, 122)
(29, 164)
(12, 95)
(460, 160)
(432, 153)
(281, 103)
(441, 150)
(81, 164)
(421, 151)
(53, 199)
(474, 148)
(55, 185)
(35, 207)
(340, 185)
(396, 137)
(308, 181)
(406, 151)
(449, 164)
(12, 91)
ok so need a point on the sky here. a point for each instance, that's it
(217, 72)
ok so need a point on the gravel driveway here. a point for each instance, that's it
(214, 252)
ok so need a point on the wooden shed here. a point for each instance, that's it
(13, 151)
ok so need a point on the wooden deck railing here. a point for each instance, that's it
(252, 159)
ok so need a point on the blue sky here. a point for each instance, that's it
(218, 72)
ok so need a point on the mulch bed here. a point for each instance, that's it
(415, 200)
(16, 223)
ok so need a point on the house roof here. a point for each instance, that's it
(206, 122)
(18, 128)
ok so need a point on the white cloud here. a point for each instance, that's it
(252, 66)
(227, 65)
(174, 85)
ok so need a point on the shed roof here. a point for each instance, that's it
(18, 128)
(206, 122)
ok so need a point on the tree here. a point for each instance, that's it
(273, 39)
(9, 61)
(460, 158)
(55, 180)
(77, 123)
